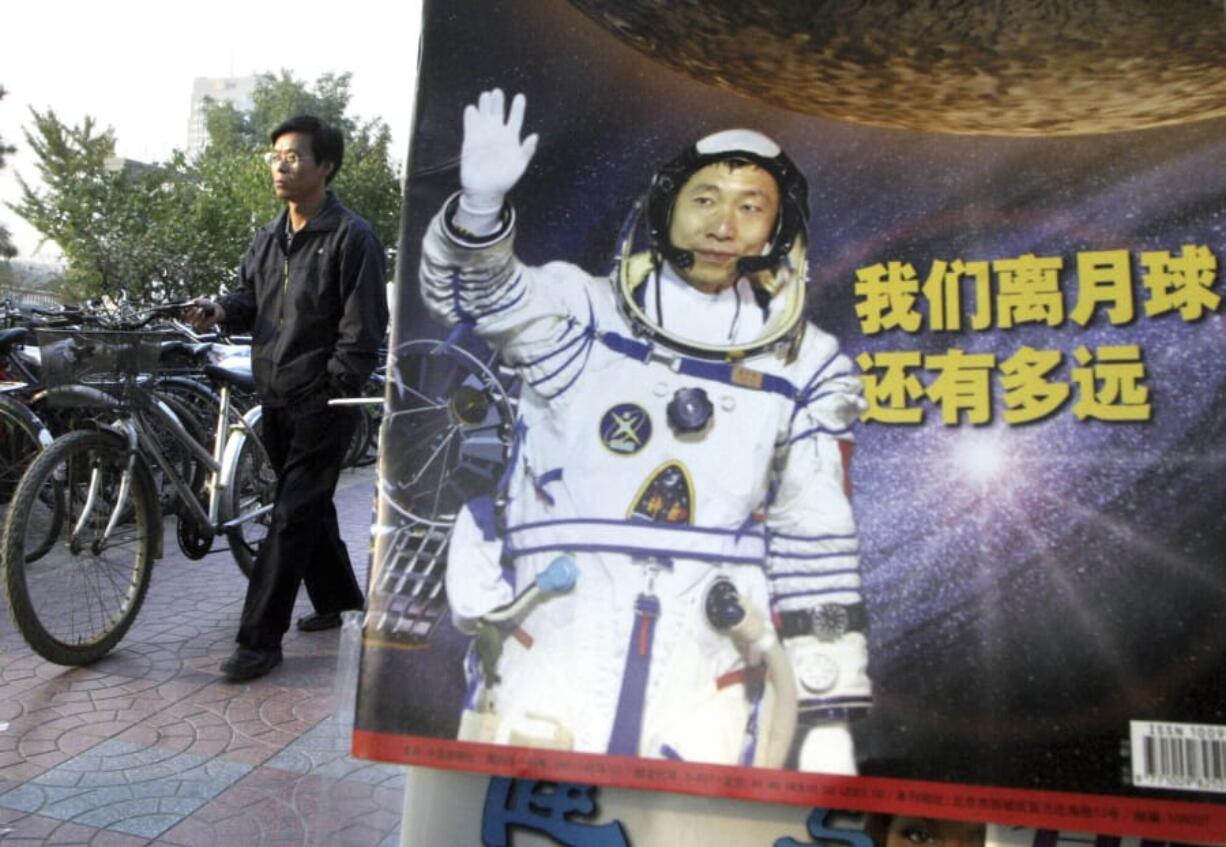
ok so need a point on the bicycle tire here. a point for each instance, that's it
(22, 436)
(254, 486)
(20, 441)
(359, 439)
(196, 394)
(190, 469)
(74, 605)
(375, 387)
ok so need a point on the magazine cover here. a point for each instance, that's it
(813, 403)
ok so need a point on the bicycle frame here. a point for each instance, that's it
(134, 426)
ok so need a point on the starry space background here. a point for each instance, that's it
(1031, 589)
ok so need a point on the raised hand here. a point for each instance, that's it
(493, 157)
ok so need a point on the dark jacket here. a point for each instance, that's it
(315, 304)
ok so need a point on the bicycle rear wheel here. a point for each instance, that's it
(360, 440)
(180, 457)
(196, 395)
(251, 492)
(19, 442)
(22, 435)
(75, 603)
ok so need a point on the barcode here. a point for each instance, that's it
(1188, 756)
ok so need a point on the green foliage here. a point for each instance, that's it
(80, 201)
(7, 249)
(367, 182)
(177, 229)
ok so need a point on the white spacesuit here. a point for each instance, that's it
(671, 567)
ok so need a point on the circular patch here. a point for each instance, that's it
(625, 429)
(816, 673)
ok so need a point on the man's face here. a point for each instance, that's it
(721, 214)
(296, 176)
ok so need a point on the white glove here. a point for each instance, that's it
(492, 158)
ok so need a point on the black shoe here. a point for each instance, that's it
(246, 663)
(318, 621)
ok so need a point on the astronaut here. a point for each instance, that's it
(669, 568)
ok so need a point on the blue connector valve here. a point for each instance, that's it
(690, 410)
(559, 577)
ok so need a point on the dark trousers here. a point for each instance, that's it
(306, 444)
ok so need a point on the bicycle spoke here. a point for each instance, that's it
(75, 601)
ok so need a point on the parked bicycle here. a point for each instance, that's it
(90, 497)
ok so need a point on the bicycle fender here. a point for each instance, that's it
(32, 422)
(79, 395)
(234, 443)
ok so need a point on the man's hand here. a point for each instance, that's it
(203, 314)
(492, 158)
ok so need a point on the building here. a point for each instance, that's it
(27, 283)
(235, 90)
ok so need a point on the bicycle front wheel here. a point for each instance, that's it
(74, 604)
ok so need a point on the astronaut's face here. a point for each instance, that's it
(926, 832)
(722, 213)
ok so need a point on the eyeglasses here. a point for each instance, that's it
(290, 158)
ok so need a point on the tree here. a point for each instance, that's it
(7, 249)
(81, 201)
(175, 229)
(367, 183)
(276, 98)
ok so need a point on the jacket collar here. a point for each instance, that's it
(327, 219)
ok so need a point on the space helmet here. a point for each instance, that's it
(778, 276)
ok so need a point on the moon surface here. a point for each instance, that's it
(999, 67)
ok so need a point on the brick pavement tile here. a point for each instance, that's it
(21, 828)
(25, 757)
(51, 723)
(20, 669)
(137, 658)
(310, 660)
(239, 723)
(206, 729)
(324, 750)
(126, 788)
(200, 593)
(99, 698)
(272, 806)
(161, 687)
(178, 621)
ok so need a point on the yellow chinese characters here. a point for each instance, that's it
(1106, 382)
(1029, 289)
(1182, 282)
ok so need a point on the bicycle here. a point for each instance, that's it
(28, 421)
(93, 489)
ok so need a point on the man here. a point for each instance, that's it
(312, 295)
(682, 575)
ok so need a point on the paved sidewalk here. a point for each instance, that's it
(150, 746)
